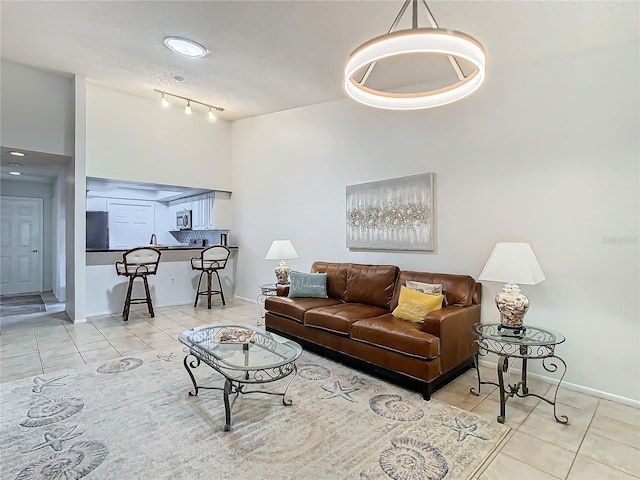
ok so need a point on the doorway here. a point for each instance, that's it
(21, 260)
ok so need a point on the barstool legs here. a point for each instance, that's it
(208, 291)
(128, 300)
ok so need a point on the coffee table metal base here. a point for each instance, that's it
(234, 387)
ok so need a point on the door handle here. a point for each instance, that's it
(34, 251)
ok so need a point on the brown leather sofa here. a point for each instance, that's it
(355, 326)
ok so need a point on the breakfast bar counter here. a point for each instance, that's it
(174, 284)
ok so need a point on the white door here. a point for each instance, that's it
(20, 245)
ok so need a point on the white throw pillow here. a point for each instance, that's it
(429, 288)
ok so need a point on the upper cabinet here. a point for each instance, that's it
(208, 211)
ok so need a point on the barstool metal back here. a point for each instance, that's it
(138, 262)
(209, 262)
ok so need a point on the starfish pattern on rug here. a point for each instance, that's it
(40, 383)
(167, 357)
(356, 380)
(54, 439)
(465, 431)
(339, 392)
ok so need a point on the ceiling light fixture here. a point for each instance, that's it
(187, 110)
(436, 40)
(15, 173)
(14, 164)
(185, 47)
(16, 154)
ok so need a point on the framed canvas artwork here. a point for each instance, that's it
(394, 214)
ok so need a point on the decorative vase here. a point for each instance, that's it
(512, 306)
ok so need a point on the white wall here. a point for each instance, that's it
(45, 192)
(37, 109)
(546, 154)
(133, 138)
(59, 237)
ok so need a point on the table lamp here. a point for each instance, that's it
(282, 250)
(513, 263)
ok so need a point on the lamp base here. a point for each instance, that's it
(511, 331)
(512, 306)
(282, 272)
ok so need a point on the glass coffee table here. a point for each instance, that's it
(243, 355)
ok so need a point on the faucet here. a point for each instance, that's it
(154, 239)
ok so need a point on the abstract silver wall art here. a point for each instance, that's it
(395, 214)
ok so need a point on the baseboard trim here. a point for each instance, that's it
(573, 386)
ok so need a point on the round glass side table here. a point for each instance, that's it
(266, 290)
(533, 343)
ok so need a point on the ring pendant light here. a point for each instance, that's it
(437, 40)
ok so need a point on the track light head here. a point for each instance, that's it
(187, 109)
(211, 116)
(164, 102)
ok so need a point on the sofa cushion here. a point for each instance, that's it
(308, 285)
(371, 284)
(336, 277)
(338, 318)
(414, 306)
(457, 289)
(397, 335)
(295, 308)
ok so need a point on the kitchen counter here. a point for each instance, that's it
(168, 247)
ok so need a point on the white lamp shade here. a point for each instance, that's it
(512, 262)
(281, 250)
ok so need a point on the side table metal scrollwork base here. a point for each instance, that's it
(534, 344)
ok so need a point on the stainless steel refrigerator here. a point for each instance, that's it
(97, 230)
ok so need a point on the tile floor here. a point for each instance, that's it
(601, 441)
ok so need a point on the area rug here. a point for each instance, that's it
(12, 305)
(132, 418)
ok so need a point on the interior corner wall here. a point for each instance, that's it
(59, 236)
(44, 191)
(37, 109)
(133, 138)
(545, 153)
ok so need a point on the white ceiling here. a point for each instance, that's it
(268, 56)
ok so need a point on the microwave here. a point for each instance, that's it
(183, 220)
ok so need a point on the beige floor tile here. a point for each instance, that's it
(464, 401)
(549, 458)
(85, 347)
(20, 361)
(64, 362)
(125, 352)
(546, 428)
(18, 349)
(505, 467)
(576, 399)
(615, 430)
(586, 469)
(163, 344)
(100, 355)
(577, 416)
(49, 353)
(13, 375)
(116, 332)
(611, 453)
(623, 413)
(514, 414)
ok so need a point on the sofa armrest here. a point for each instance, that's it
(283, 290)
(451, 325)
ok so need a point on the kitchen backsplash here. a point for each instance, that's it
(212, 236)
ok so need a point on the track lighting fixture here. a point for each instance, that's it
(187, 109)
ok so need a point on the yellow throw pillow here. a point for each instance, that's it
(414, 306)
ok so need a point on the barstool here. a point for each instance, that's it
(138, 263)
(210, 261)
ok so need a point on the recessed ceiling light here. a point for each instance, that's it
(178, 79)
(15, 173)
(14, 164)
(184, 46)
(16, 154)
